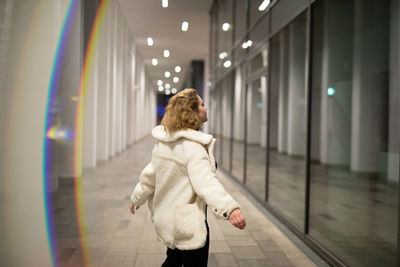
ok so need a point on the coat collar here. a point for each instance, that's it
(159, 133)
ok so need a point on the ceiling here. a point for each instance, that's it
(147, 18)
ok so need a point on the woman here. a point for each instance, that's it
(180, 182)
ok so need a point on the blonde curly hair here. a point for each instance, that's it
(181, 112)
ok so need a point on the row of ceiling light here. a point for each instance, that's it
(167, 74)
(154, 61)
(226, 26)
(167, 87)
(245, 45)
(166, 53)
(185, 26)
(228, 63)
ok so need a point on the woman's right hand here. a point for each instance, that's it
(132, 208)
(236, 219)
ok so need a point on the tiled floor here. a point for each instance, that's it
(114, 237)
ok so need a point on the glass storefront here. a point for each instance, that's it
(215, 118)
(354, 179)
(238, 144)
(227, 111)
(287, 123)
(307, 119)
(256, 139)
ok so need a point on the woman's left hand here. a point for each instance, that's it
(236, 219)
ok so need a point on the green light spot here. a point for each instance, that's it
(331, 91)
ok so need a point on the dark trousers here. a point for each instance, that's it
(188, 258)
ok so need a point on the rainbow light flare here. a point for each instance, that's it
(84, 84)
(50, 121)
(51, 130)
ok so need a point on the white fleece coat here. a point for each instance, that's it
(179, 182)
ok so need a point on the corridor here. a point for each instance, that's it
(303, 98)
(114, 237)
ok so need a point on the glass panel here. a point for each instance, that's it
(238, 123)
(240, 53)
(224, 30)
(213, 44)
(227, 112)
(217, 116)
(258, 62)
(285, 11)
(287, 134)
(260, 33)
(256, 139)
(211, 112)
(241, 21)
(255, 14)
(355, 131)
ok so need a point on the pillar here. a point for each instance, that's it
(296, 90)
(370, 90)
(283, 56)
(335, 120)
(104, 89)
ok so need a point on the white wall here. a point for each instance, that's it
(119, 96)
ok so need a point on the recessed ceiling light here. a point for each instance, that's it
(227, 64)
(167, 92)
(159, 82)
(175, 79)
(185, 26)
(164, 3)
(244, 45)
(167, 74)
(264, 5)
(178, 69)
(166, 53)
(249, 43)
(223, 55)
(173, 90)
(149, 41)
(154, 61)
(160, 88)
(167, 86)
(225, 26)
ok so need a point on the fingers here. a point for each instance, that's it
(132, 208)
(236, 219)
(239, 222)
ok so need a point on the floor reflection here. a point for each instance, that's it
(352, 216)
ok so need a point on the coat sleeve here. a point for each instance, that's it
(145, 188)
(205, 182)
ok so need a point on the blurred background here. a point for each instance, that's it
(302, 96)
